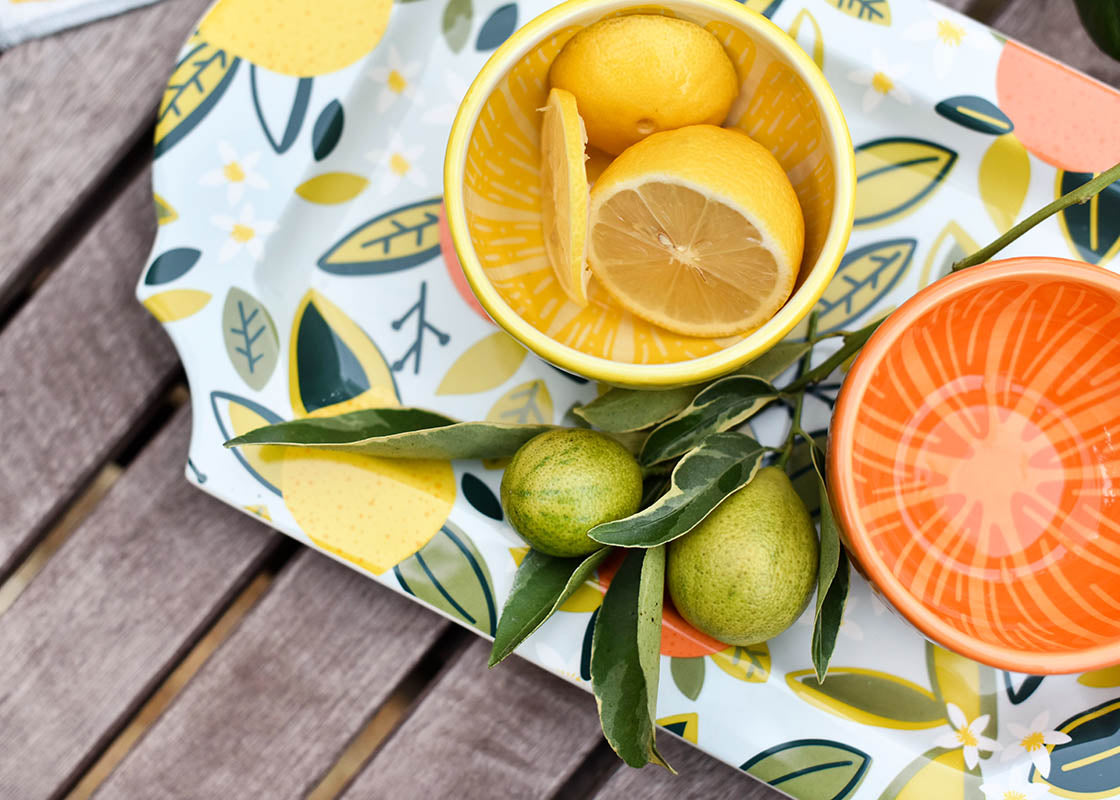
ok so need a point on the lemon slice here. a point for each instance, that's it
(697, 230)
(564, 193)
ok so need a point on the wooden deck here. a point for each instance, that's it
(155, 643)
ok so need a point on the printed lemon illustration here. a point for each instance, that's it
(564, 194)
(297, 37)
(697, 230)
(746, 572)
(374, 512)
(639, 74)
(563, 483)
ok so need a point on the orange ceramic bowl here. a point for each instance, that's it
(975, 463)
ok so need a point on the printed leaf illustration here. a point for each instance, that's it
(1088, 766)
(764, 7)
(170, 265)
(418, 313)
(723, 463)
(327, 130)
(527, 404)
(688, 675)
(486, 364)
(332, 361)
(1107, 678)
(936, 773)
(1005, 177)
(237, 415)
(298, 107)
(812, 35)
(252, 343)
(165, 213)
(896, 175)
(332, 188)
(750, 664)
(480, 496)
(950, 246)
(975, 113)
(456, 23)
(811, 769)
(450, 574)
(200, 79)
(1092, 229)
(497, 28)
(866, 275)
(683, 725)
(1031, 683)
(395, 240)
(968, 685)
(870, 697)
(585, 648)
(877, 11)
(176, 304)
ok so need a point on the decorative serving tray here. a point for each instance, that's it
(302, 268)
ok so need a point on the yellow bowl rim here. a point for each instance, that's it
(681, 372)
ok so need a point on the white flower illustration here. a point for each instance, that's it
(1033, 740)
(235, 172)
(1013, 788)
(882, 80)
(444, 114)
(967, 735)
(948, 34)
(399, 79)
(398, 162)
(246, 232)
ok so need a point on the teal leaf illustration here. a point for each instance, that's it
(235, 415)
(297, 112)
(396, 240)
(975, 113)
(764, 7)
(170, 265)
(478, 494)
(866, 275)
(450, 574)
(337, 374)
(199, 80)
(811, 769)
(1092, 228)
(896, 175)
(497, 28)
(327, 130)
(456, 23)
(1025, 689)
(1089, 764)
(877, 11)
(416, 349)
(688, 675)
(252, 343)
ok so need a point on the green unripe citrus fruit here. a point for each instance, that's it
(563, 483)
(746, 572)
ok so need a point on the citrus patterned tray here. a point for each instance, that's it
(302, 268)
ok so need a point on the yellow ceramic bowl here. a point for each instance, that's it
(491, 188)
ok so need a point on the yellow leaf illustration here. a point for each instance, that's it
(260, 511)
(264, 461)
(195, 86)
(527, 403)
(936, 773)
(332, 188)
(518, 554)
(176, 304)
(165, 213)
(877, 11)
(961, 681)
(683, 725)
(1005, 176)
(865, 277)
(896, 175)
(750, 664)
(1107, 678)
(870, 697)
(486, 364)
(950, 246)
(813, 44)
(397, 239)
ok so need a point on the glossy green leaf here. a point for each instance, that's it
(975, 113)
(688, 675)
(1087, 766)
(870, 697)
(722, 405)
(540, 586)
(197, 83)
(895, 175)
(722, 464)
(397, 433)
(450, 574)
(171, 265)
(811, 769)
(877, 11)
(1091, 228)
(625, 657)
(803, 474)
(252, 344)
(456, 23)
(832, 579)
(1102, 19)
(865, 276)
(327, 130)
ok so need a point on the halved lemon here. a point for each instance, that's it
(564, 193)
(697, 230)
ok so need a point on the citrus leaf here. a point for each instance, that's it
(450, 574)
(688, 675)
(870, 697)
(625, 658)
(236, 415)
(327, 130)
(176, 304)
(585, 646)
(895, 175)
(398, 239)
(719, 406)
(936, 773)
(1092, 229)
(975, 113)
(832, 579)
(950, 246)
(171, 265)
(811, 769)
(877, 11)
(803, 474)
(865, 276)
(1005, 177)
(397, 433)
(813, 32)
(456, 23)
(297, 111)
(1089, 764)
(1102, 21)
(540, 586)
(485, 365)
(750, 664)
(165, 212)
(1107, 678)
(497, 28)
(252, 344)
(199, 80)
(332, 188)
(525, 404)
(722, 464)
(480, 496)
(963, 682)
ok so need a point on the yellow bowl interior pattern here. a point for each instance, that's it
(494, 202)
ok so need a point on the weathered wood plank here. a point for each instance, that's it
(79, 365)
(112, 612)
(272, 710)
(1053, 27)
(513, 731)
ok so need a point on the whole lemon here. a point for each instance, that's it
(563, 483)
(639, 74)
(746, 572)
